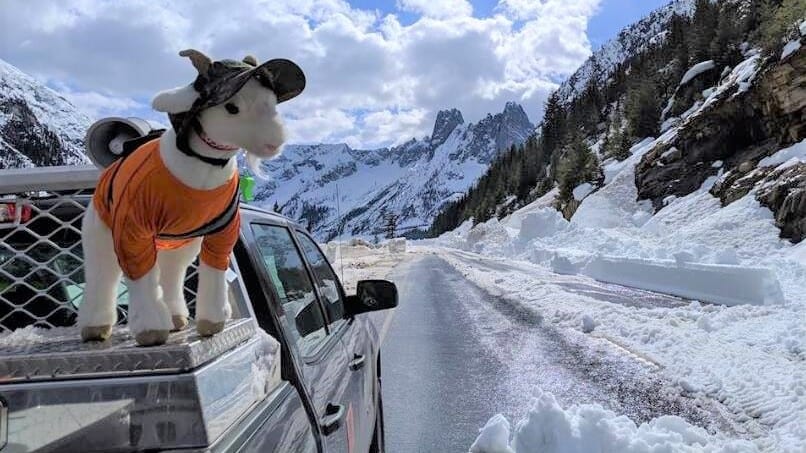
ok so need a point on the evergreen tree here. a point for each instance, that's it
(777, 18)
(676, 40)
(553, 123)
(578, 165)
(725, 46)
(276, 208)
(705, 20)
(617, 144)
(643, 109)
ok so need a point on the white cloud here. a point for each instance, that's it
(371, 80)
(439, 9)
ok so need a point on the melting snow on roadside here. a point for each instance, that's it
(549, 428)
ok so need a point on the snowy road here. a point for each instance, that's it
(455, 355)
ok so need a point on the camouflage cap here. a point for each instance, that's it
(224, 78)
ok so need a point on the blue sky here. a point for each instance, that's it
(378, 70)
(611, 17)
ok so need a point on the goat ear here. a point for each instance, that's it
(177, 100)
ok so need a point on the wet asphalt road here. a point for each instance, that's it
(454, 356)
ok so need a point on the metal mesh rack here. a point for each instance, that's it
(41, 260)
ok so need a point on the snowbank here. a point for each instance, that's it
(396, 245)
(541, 223)
(355, 242)
(720, 284)
(549, 428)
(332, 251)
(490, 237)
(696, 70)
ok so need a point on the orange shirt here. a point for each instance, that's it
(146, 200)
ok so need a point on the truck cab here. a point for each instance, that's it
(297, 368)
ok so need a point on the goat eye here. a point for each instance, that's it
(231, 108)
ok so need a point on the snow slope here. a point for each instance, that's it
(37, 125)
(411, 181)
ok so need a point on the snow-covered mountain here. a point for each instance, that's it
(38, 126)
(410, 181)
(629, 42)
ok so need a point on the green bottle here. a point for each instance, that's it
(247, 186)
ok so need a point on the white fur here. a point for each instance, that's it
(102, 273)
(211, 299)
(176, 100)
(147, 309)
(258, 129)
(173, 266)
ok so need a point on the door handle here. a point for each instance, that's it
(357, 362)
(331, 422)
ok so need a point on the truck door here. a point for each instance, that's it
(320, 354)
(355, 340)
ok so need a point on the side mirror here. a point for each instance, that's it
(372, 295)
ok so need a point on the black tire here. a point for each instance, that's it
(378, 439)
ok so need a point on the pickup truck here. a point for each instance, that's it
(296, 369)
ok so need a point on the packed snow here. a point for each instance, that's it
(550, 428)
(715, 283)
(696, 70)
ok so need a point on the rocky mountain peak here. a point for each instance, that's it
(446, 122)
(38, 127)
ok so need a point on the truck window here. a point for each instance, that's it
(326, 279)
(286, 269)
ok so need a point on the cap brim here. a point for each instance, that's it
(288, 80)
(282, 76)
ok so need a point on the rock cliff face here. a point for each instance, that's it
(727, 137)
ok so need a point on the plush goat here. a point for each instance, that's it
(176, 197)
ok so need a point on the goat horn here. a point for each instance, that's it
(200, 61)
(250, 60)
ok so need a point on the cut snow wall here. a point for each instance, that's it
(397, 245)
(715, 283)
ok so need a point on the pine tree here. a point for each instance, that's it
(643, 109)
(777, 18)
(276, 208)
(677, 41)
(553, 123)
(706, 17)
(579, 165)
(724, 48)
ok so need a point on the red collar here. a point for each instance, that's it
(215, 145)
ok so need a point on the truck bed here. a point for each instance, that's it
(34, 354)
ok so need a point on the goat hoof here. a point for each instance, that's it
(207, 328)
(180, 322)
(151, 337)
(96, 333)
